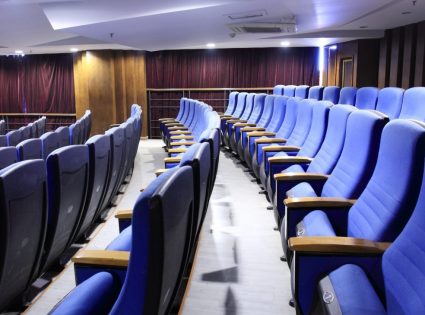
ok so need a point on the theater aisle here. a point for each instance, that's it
(149, 158)
(237, 270)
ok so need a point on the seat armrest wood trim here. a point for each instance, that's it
(289, 159)
(291, 176)
(326, 202)
(270, 140)
(111, 258)
(279, 148)
(124, 214)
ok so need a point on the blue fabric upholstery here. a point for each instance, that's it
(278, 90)
(347, 95)
(301, 91)
(8, 156)
(316, 92)
(301, 190)
(95, 296)
(289, 90)
(413, 106)
(123, 241)
(63, 133)
(316, 223)
(231, 106)
(354, 292)
(331, 94)
(389, 101)
(14, 137)
(366, 98)
(51, 142)
(30, 149)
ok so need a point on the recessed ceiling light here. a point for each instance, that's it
(285, 44)
(364, 26)
(73, 49)
(19, 52)
(406, 12)
(210, 45)
(333, 47)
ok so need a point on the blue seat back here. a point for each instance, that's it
(162, 215)
(249, 106)
(413, 105)
(187, 110)
(50, 141)
(315, 92)
(34, 132)
(389, 101)
(367, 97)
(240, 105)
(279, 109)
(302, 124)
(30, 149)
(266, 115)
(67, 173)
(318, 127)
(289, 90)
(23, 216)
(25, 133)
(231, 105)
(331, 94)
(8, 156)
(2, 127)
(358, 157)
(74, 134)
(291, 110)
(278, 89)
(63, 133)
(99, 148)
(181, 109)
(3, 141)
(257, 108)
(301, 91)
(193, 118)
(387, 202)
(402, 265)
(330, 151)
(347, 95)
(14, 137)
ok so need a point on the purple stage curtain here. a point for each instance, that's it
(232, 68)
(37, 84)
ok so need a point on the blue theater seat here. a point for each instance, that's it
(309, 148)
(301, 91)
(8, 156)
(14, 137)
(366, 98)
(125, 161)
(357, 281)
(278, 90)
(3, 141)
(413, 105)
(316, 92)
(277, 116)
(389, 101)
(74, 133)
(99, 147)
(23, 217)
(63, 133)
(331, 94)
(249, 106)
(25, 133)
(285, 130)
(324, 161)
(67, 171)
(352, 171)
(2, 127)
(34, 133)
(240, 107)
(51, 142)
(347, 95)
(289, 90)
(231, 105)
(30, 149)
(152, 277)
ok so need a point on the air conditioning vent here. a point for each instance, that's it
(255, 28)
(246, 15)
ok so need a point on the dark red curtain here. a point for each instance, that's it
(232, 68)
(37, 84)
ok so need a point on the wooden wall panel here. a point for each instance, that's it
(409, 49)
(419, 75)
(396, 57)
(108, 82)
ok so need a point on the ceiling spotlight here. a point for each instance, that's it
(285, 44)
(73, 49)
(333, 47)
(363, 26)
(19, 52)
(406, 12)
(210, 45)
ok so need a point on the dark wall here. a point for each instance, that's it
(401, 60)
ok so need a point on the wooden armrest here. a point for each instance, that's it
(175, 144)
(175, 159)
(181, 128)
(220, 113)
(102, 258)
(181, 137)
(177, 150)
(327, 244)
(250, 129)
(243, 125)
(261, 134)
(124, 214)
(180, 132)
(174, 124)
(318, 202)
(114, 125)
(279, 148)
(160, 171)
(225, 117)
(291, 176)
(164, 119)
(270, 140)
(234, 121)
(289, 159)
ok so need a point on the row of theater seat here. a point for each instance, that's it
(13, 137)
(342, 181)
(142, 269)
(49, 205)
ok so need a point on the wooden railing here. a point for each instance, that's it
(54, 120)
(166, 102)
